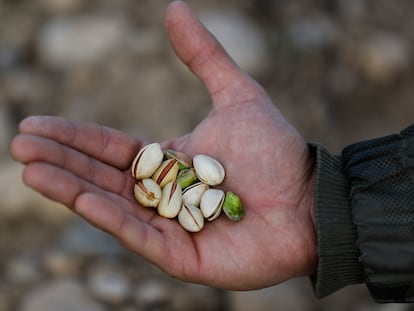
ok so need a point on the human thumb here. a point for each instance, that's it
(200, 51)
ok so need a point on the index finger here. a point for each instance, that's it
(103, 143)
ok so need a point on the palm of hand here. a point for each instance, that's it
(267, 164)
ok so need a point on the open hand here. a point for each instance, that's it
(87, 167)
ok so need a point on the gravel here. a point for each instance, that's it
(340, 71)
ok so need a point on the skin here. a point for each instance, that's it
(87, 168)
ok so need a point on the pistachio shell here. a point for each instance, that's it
(147, 192)
(184, 161)
(211, 203)
(208, 170)
(191, 218)
(233, 207)
(171, 200)
(186, 177)
(166, 173)
(147, 161)
(192, 194)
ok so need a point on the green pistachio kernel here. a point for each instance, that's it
(186, 178)
(233, 207)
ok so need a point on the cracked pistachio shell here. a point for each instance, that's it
(192, 194)
(147, 192)
(233, 207)
(171, 200)
(191, 218)
(211, 203)
(147, 161)
(184, 161)
(186, 177)
(208, 170)
(167, 172)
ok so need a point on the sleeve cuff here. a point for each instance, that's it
(338, 264)
(381, 174)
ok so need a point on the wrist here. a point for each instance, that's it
(310, 209)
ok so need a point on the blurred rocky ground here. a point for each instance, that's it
(340, 71)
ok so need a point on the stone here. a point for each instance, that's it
(9, 56)
(152, 292)
(17, 29)
(4, 301)
(62, 6)
(240, 37)
(341, 80)
(19, 201)
(27, 91)
(194, 297)
(23, 270)
(145, 42)
(6, 130)
(383, 57)
(393, 307)
(79, 238)
(164, 293)
(312, 33)
(109, 285)
(130, 308)
(62, 295)
(354, 297)
(352, 9)
(288, 295)
(68, 41)
(61, 264)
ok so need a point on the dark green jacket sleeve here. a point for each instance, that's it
(364, 211)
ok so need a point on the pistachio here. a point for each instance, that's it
(147, 161)
(166, 173)
(208, 170)
(192, 194)
(171, 200)
(186, 177)
(184, 161)
(147, 192)
(211, 203)
(179, 186)
(191, 218)
(233, 207)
